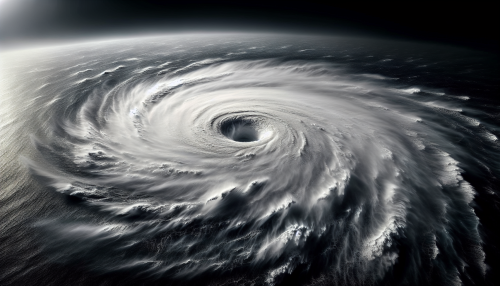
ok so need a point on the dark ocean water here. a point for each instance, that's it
(249, 160)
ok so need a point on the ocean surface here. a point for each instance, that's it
(249, 159)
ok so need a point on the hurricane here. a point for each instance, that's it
(254, 160)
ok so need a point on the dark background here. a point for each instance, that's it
(468, 24)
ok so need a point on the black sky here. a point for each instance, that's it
(473, 25)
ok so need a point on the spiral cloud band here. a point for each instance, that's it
(257, 160)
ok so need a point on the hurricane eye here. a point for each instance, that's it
(240, 130)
